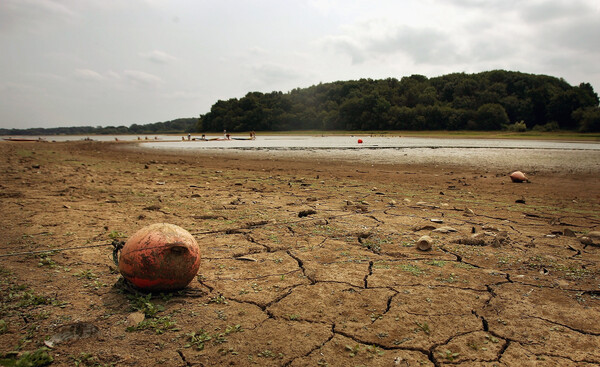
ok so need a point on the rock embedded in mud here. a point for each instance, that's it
(424, 243)
(591, 238)
(135, 318)
(444, 229)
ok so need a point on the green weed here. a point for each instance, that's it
(413, 269)
(142, 304)
(159, 325)
(37, 358)
(423, 327)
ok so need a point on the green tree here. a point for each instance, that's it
(491, 116)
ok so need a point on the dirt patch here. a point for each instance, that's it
(302, 263)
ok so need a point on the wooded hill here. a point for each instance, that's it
(182, 125)
(492, 100)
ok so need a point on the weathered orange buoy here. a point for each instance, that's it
(518, 176)
(160, 257)
(359, 141)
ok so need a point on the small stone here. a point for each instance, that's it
(436, 220)
(490, 228)
(444, 229)
(134, 319)
(568, 233)
(591, 238)
(424, 243)
(306, 213)
(245, 258)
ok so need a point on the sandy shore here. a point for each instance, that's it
(532, 160)
(308, 258)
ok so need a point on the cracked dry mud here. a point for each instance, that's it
(344, 286)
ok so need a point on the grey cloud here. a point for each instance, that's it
(495, 5)
(33, 15)
(158, 57)
(423, 45)
(141, 78)
(274, 74)
(347, 45)
(581, 35)
(554, 10)
(86, 74)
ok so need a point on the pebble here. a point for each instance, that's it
(134, 319)
(444, 229)
(591, 238)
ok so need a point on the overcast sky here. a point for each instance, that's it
(105, 62)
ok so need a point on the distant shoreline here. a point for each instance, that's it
(443, 134)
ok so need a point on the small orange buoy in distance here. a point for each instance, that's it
(360, 141)
(160, 257)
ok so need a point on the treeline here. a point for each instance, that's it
(491, 100)
(182, 125)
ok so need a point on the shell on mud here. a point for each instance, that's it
(424, 243)
(160, 257)
(518, 176)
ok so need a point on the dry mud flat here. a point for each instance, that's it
(304, 263)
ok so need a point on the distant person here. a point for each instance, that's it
(203, 137)
(189, 136)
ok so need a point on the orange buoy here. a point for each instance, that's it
(359, 141)
(160, 257)
(518, 176)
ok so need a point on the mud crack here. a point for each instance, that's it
(182, 356)
(301, 265)
(316, 347)
(370, 272)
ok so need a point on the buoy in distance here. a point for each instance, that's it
(518, 176)
(160, 257)
(360, 141)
